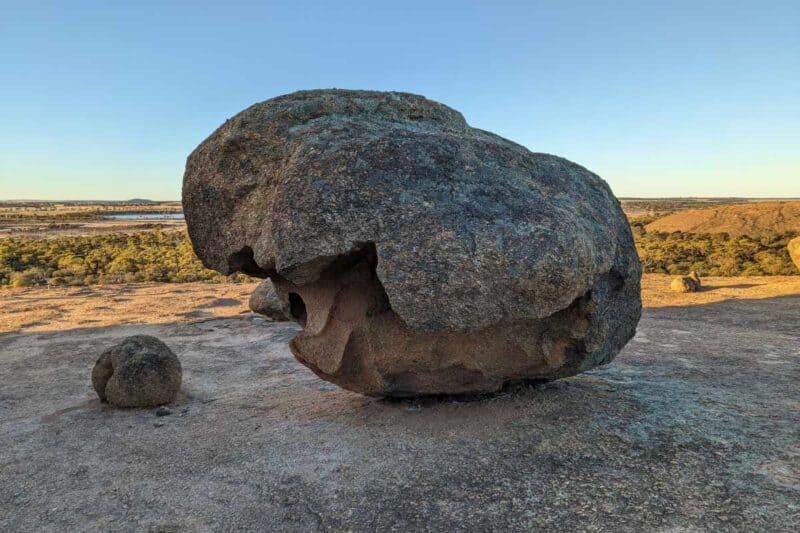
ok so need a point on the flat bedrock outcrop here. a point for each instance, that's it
(421, 255)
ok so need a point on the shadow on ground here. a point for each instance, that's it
(721, 287)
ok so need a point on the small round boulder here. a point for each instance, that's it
(265, 301)
(684, 284)
(141, 371)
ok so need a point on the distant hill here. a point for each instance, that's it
(139, 201)
(752, 219)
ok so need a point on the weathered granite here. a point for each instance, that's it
(421, 255)
(693, 427)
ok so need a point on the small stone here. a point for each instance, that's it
(163, 411)
(684, 284)
(794, 251)
(265, 301)
(141, 371)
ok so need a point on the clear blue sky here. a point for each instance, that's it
(104, 100)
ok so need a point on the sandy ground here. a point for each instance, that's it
(96, 306)
(656, 293)
(694, 426)
(34, 310)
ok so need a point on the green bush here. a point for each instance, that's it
(715, 254)
(28, 278)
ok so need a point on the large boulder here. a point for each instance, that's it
(420, 255)
(794, 251)
(140, 371)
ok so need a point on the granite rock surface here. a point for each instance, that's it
(420, 255)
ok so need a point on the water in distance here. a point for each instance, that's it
(145, 216)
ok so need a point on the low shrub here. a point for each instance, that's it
(112, 258)
(715, 254)
(168, 257)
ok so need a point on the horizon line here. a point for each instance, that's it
(139, 200)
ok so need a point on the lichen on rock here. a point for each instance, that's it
(420, 255)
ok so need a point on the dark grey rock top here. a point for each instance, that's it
(470, 229)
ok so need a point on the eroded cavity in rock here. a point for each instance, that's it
(352, 337)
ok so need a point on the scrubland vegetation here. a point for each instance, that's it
(715, 254)
(167, 256)
(712, 254)
(112, 258)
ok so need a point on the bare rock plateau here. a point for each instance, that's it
(693, 427)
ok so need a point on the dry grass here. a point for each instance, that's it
(81, 210)
(753, 219)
